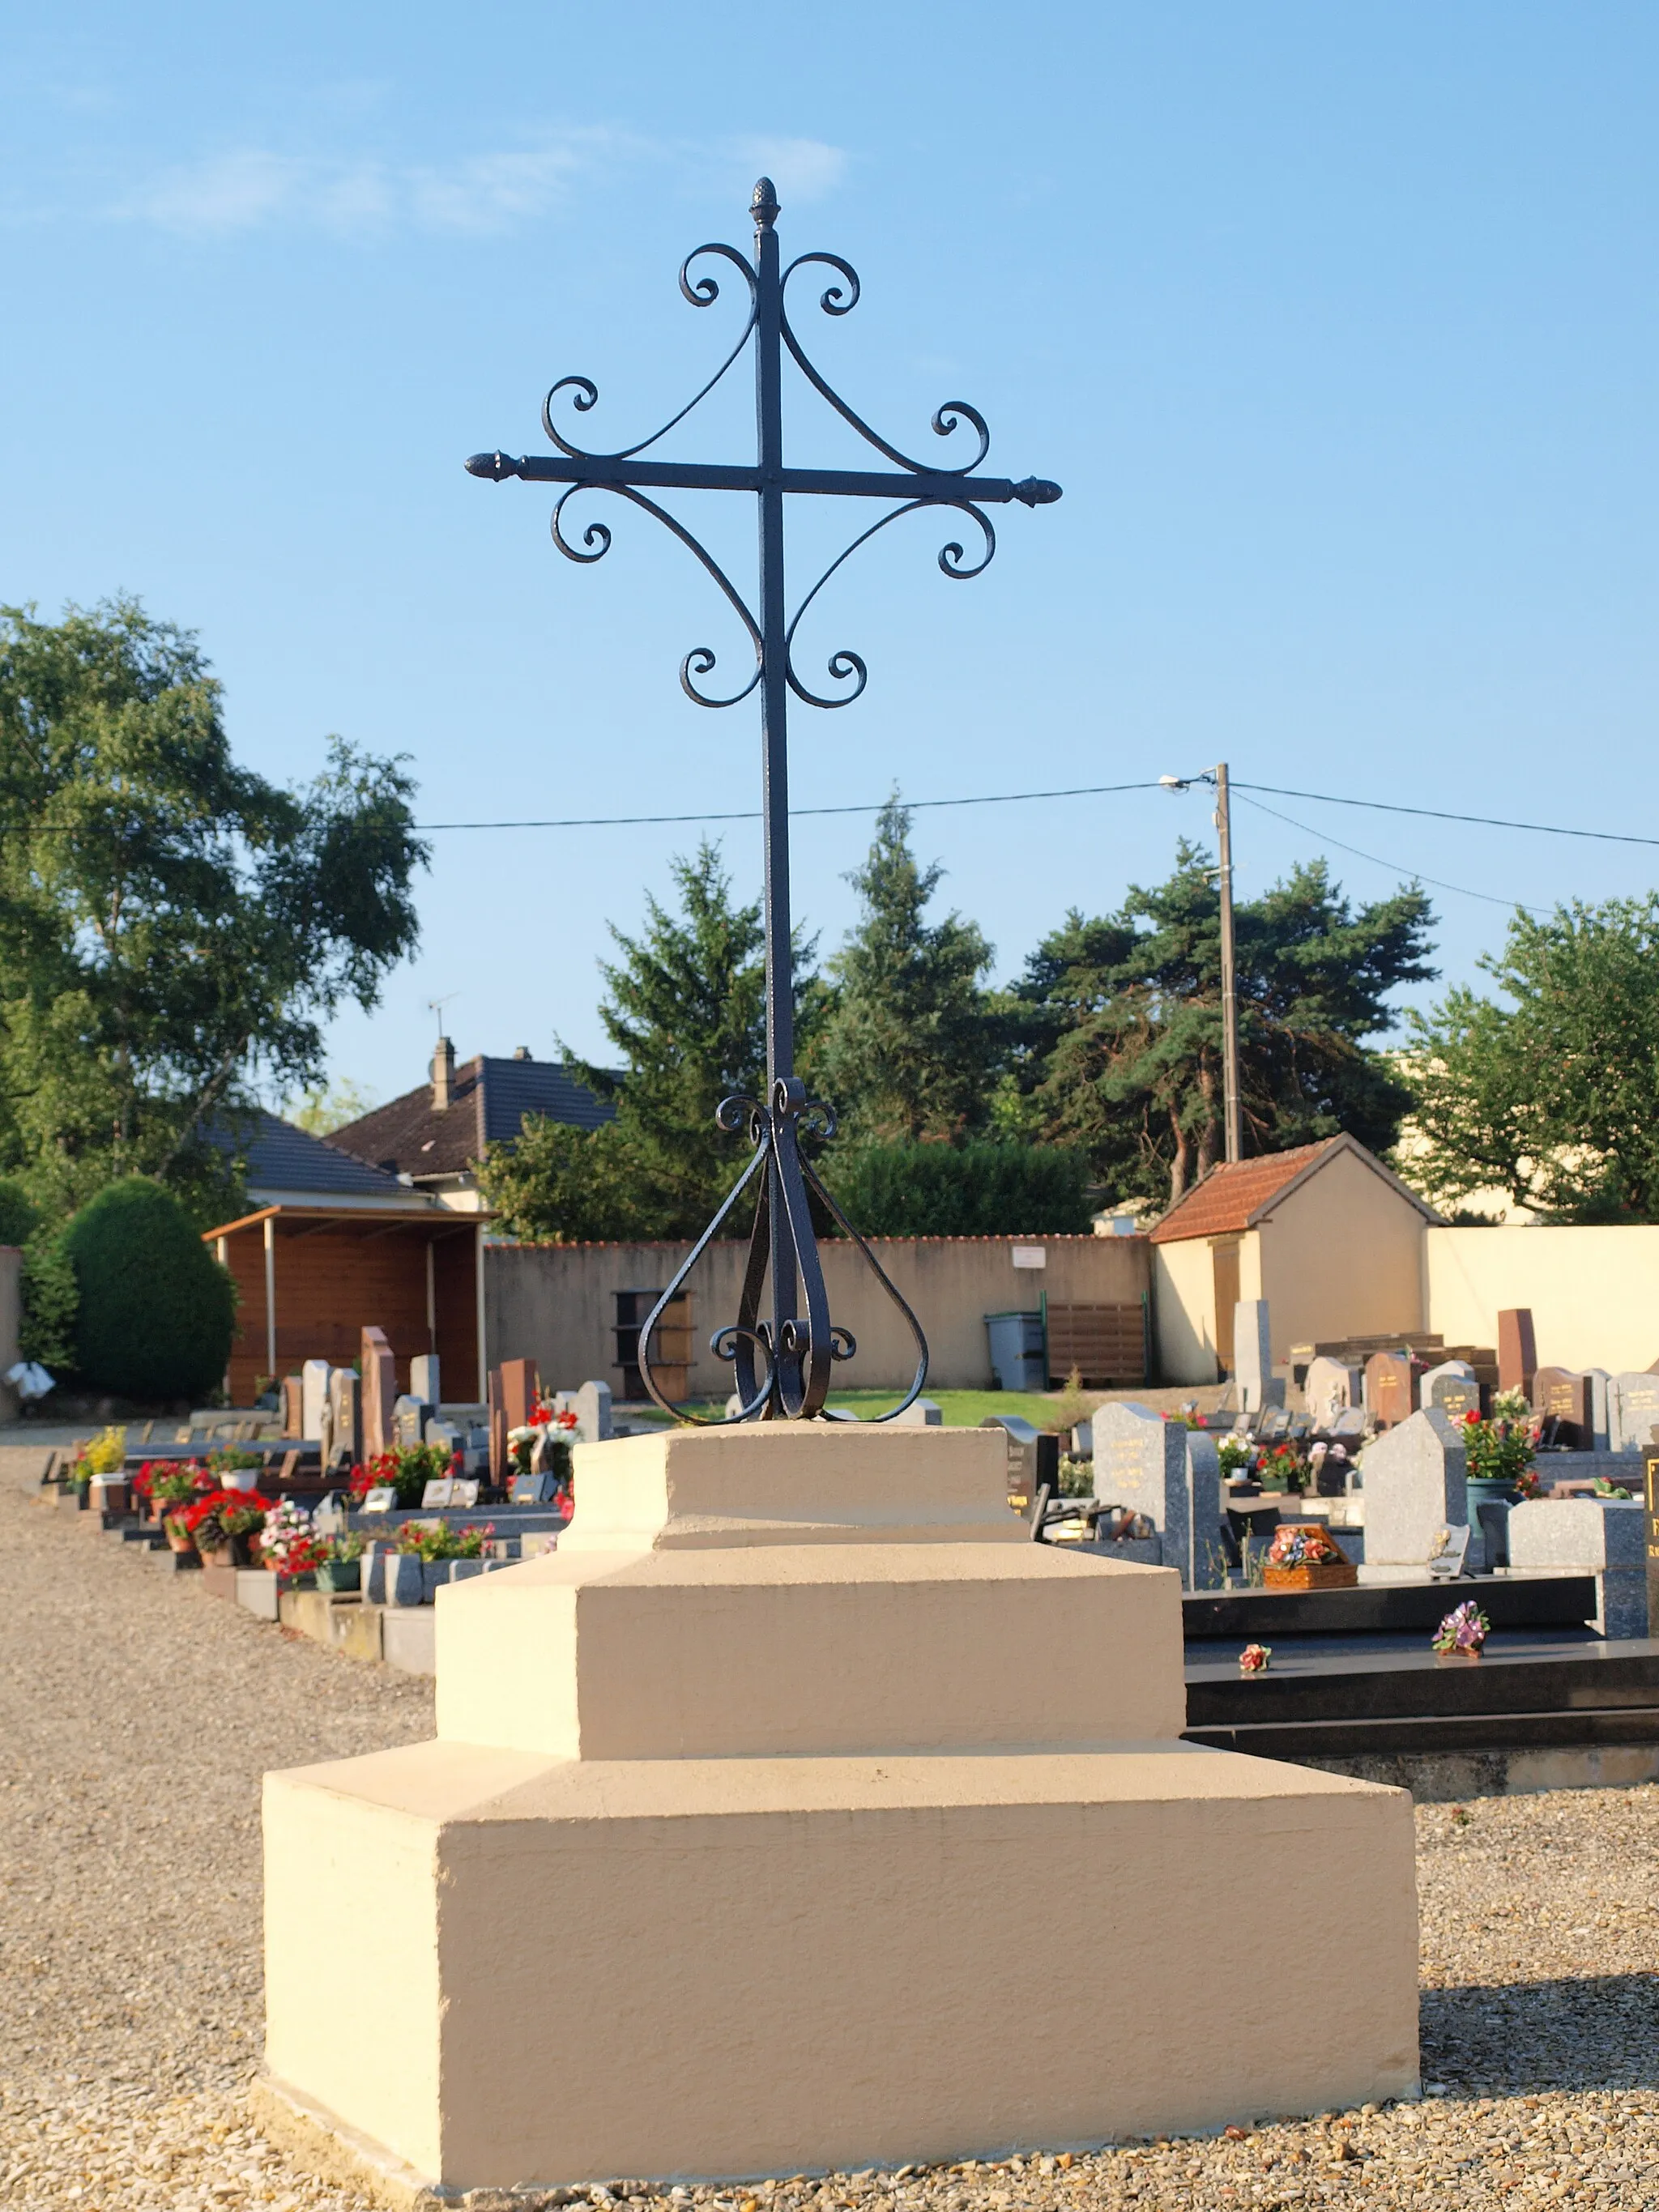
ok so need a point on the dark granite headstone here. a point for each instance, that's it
(1565, 1397)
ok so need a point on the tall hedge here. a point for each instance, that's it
(962, 1190)
(156, 1310)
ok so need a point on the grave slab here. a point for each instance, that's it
(786, 1750)
(1169, 1472)
(1632, 1411)
(1604, 1536)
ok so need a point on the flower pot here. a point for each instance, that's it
(245, 1549)
(1490, 1490)
(221, 1556)
(338, 1575)
(180, 1540)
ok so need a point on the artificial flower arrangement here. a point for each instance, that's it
(406, 1470)
(547, 1428)
(1463, 1632)
(1301, 1544)
(1500, 1450)
(1255, 1658)
(290, 1544)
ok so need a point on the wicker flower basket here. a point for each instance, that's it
(1314, 1574)
(1311, 1574)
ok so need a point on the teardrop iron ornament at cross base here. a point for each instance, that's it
(782, 1359)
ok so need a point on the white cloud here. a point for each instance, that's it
(802, 169)
(249, 187)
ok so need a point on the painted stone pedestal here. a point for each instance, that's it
(799, 1813)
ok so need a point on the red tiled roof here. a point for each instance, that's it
(1229, 1198)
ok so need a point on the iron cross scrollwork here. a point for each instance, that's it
(783, 1360)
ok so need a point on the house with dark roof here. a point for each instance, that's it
(331, 1244)
(1325, 1234)
(430, 1137)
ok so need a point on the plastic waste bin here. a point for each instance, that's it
(1019, 1359)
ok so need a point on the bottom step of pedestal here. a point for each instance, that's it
(711, 1968)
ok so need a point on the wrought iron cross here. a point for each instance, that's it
(782, 1363)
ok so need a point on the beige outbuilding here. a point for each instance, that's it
(798, 1814)
(1325, 1234)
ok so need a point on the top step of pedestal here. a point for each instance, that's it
(792, 1483)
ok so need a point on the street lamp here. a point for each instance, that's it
(1232, 1114)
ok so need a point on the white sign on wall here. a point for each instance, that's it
(1030, 1255)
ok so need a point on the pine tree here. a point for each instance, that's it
(911, 1043)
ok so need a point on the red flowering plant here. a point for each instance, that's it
(164, 1482)
(1285, 1468)
(290, 1546)
(436, 1540)
(1500, 1450)
(218, 1515)
(406, 1468)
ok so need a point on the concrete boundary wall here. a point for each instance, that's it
(556, 1303)
(1594, 1293)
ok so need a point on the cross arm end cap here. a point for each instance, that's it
(1035, 491)
(496, 466)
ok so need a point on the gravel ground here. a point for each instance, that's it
(137, 1715)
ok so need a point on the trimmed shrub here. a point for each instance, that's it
(962, 1190)
(19, 1216)
(47, 1332)
(156, 1308)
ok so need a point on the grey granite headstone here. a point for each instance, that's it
(1329, 1388)
(345, 1440)
(409, 1417)
(1603, 1536)
(1632, 1409)
(1350, 1425)
(313, 1396)
(1453, 1386)
(1416, 1485)
(594, 1413)
(423, 1378)
(924, 1413)
(1172, 1475)
(1252, 1356)
(1598, 1378)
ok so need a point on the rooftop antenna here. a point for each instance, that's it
(435, 1006)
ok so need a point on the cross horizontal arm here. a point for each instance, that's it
(677, 476)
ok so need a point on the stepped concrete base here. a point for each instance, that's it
(826, 1822)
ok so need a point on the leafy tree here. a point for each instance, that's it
(173, 929)
(911, 1044)
(156, 1310)
(975, 1189)
(686, 1010)
(1120, 1049)
(1554, 1097)
(325, 1106)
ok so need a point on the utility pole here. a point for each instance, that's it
(1232, 1114)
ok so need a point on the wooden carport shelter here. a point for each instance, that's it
(310, 1278)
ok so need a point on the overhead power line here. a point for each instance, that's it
(1324, 837)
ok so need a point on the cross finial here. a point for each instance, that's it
(764, 205)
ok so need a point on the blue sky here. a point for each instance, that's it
(1337, 324)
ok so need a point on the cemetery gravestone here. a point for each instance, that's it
(593, 1424)
(1252, 1356)
(1330, 1389)
(293, 1405)
(313, 1396)
(1349, 1427)
(1171, 1474)
(423, 1378)
(1650, 1529)
(377, 1379)
(1565, 1397)
(1605, 1537)
(924, 1413)
(1388, 1388)
(1452, 1386)
(345, 1436)
(409, 1419)
(514, 1388)
(1517, 1349)
(1632, 1411)
(1598, 1378)
(1416, 1481)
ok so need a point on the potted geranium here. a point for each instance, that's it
(226, 1525)
(1498, 1452)
(291, 1547)
(406, 1470)
(342, 1570)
